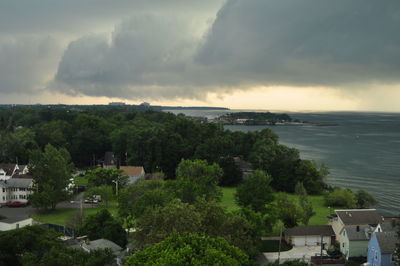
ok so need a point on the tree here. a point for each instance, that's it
(161, 222)
(305, 204)
(189, 249)
(51, 171)
(288, 211)
(101, 176)
(365, 200)
(255, 191)
(232, 174)
(197, 179)
(341, 198)
(103, 225)
(132, 202)
(65, 256)
(105, 192)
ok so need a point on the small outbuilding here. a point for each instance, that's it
(310, 235)
(15, 223)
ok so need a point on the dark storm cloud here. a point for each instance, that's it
(308, 42)
(25, 62)
(251, 42)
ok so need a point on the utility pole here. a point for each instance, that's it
(322, 246)
(116, 186)
(280, 242)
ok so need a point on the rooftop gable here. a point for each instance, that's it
(132, 170)
(359, 216)
(387, 242)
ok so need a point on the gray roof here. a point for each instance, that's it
(387, 241)
(359, 216)
(102, 243)
(8, 168)
(359, 232)
(12, 220)
(17, 182)
(311, 230)
(390, 224)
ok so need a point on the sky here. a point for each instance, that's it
(295, 55)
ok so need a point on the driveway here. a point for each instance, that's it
(295, 253)
(28, 210)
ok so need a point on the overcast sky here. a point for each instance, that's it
(252, 54)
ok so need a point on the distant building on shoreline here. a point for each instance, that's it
(116, 103)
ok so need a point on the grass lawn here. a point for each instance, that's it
(80, 181)
(228, 199)
(320, 209)
(61, 216)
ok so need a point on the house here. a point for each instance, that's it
(245, 167)
(15, 223)
(354, 239)
(109, 160)
(22, 169)
(15, 189)
(310, 235)
(381, 249)
(353, 217)
(134, 173)
(101, 243)
(7, 170)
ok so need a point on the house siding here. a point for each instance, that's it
(375, 256)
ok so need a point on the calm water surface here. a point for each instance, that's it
(362, 151)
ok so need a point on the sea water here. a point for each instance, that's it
(362, 150)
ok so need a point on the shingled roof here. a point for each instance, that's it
(387, 241)
(8, 168)
(311, 230)
(359, 216)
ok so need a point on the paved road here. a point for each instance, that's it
(27, 211)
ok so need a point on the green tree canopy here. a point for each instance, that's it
(365, 200)
(341, 198)
(103, 225)
(51, 171)
(101, 176)
(189, 249)
(255, 191)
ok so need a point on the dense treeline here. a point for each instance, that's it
(154, 139)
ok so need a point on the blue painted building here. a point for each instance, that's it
(381, 249)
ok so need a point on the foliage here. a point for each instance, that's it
(103, 225)
(64, 256)
(341, 198)
(255, 191)
(106, 193)
(101, 176)
(287, 210)
(232, 174)
(305, 203)
(132, 200)
(51, 170)
(365, 200)
(197, 179)
(189, 249)
(34, 240)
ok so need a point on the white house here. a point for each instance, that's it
(355, 238)
(353, 217)
(15, 189)
(311, 235)
(7, 170)
(15, 223)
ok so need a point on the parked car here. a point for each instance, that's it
(15, 204)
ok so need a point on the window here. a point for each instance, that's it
(343, 245)
(376, 255)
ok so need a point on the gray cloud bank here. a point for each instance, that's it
(157, 55)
